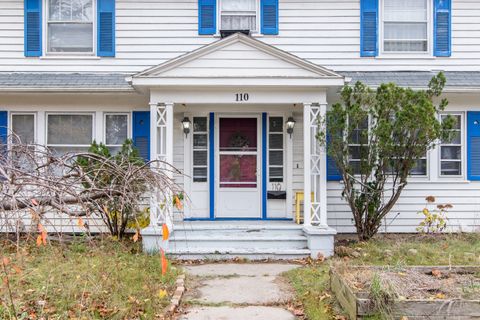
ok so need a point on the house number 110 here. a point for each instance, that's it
(240, 97)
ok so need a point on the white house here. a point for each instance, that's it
(74, 71)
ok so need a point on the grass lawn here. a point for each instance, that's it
(312, 282)
(100, 280)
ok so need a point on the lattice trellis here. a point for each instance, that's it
(161, 207)
(316, 159)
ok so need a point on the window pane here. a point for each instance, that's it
(420, 168)
(238, 134)
(276, 158)
(199, 124)
(405, 10)
(234, 22)
(276, 174)
(275, 141)
(199, 174)
(405, 31)
(239, 5)
(276, 124)
(451, 152)
(238, 171)
(23, 126)
(200, 158)
(69, 129)
(199, 141)
(451, 168)
(70, 37)
(70, 10)
(116, 128)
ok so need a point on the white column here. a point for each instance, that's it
(307, 179)
(322, 190)
(169, 133)
(153, 131)
(169, 160)
(154, 199)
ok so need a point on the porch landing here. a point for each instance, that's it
(254, 240)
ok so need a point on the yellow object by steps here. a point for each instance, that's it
(299, 197)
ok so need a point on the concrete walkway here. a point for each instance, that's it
(237, 291)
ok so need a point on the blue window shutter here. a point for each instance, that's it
(442, 30)
(269, 16)
(333, 174)
(106, 28)
(141, 133)
(368, 28)
(207, 17)
(3, 127)
(33, 28)
(473, 145)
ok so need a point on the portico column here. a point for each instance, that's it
(320, 237)
(315, 168)
(161, 149)
(307, 179)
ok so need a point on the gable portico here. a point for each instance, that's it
(243, 83)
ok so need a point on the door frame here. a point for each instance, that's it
(260, 165)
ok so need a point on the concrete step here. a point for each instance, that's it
(237, 240)
(227, 229)
(230, 253)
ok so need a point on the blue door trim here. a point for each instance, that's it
(264, 166)
(211, 164)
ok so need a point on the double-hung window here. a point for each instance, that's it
(116, 131)
(405, 25)
(238, 15)
(70, 26)
(69, 132)
(451, 152)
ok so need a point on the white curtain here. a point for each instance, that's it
(238, 14)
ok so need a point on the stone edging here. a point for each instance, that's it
(177, 295)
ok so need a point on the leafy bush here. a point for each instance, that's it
(117, 213)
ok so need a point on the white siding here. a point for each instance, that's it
(325, 32)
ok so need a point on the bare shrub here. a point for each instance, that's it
(36, 181)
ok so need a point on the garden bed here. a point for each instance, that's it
(411, 292)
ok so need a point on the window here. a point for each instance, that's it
(116, 131)
(238, 15)
(357, 145)
(70, 26)
(405, 26)
(451, 151)
(420, 167)
(69, 132)
(275, 149)
(200, 149)
(23, 128)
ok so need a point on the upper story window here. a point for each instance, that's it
(70, 26)
(238, 15)
(405, 26)
(408, 26)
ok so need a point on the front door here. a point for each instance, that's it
(238, 159)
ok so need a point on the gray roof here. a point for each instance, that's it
(456, 80)
(64, 81)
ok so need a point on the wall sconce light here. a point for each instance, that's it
(290, 125)
(186, 126)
